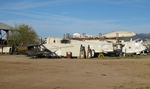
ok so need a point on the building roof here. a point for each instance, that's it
(4, 26)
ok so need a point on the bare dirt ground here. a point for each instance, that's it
(20, 72)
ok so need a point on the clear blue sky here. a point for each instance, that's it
(56, 17)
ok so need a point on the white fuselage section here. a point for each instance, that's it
(55, 45)
(133, 47)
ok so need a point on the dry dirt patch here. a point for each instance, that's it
(20, 72)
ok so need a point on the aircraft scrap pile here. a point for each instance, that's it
(88, 46)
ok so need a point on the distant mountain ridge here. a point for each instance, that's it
(142, 36)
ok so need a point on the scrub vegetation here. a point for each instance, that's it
(23, 35)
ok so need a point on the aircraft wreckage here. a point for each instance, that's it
(87, 46)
